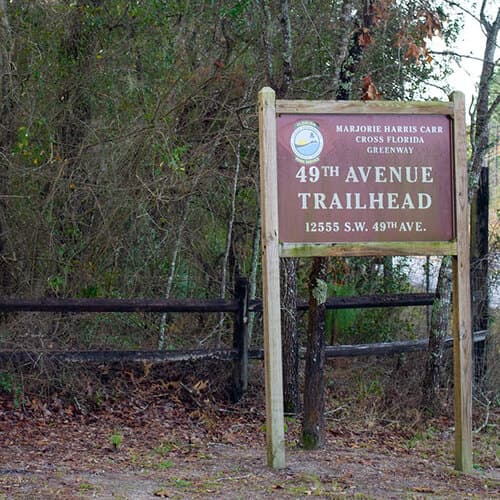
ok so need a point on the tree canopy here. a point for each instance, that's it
(128, 134)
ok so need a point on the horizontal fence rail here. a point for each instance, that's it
(119, 356)
(101, 305)
(199, 305)
(335, 351)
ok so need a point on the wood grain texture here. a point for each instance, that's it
(462, 325)
(271, 280)
(367, 249)
(363, 107)
(51, 304)
(336, 351)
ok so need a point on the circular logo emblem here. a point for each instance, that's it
(306, 141)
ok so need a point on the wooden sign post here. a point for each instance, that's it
(356, 178)
(275, 432)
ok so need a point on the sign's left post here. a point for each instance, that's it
(271, 279)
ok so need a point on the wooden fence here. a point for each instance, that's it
(240, 307)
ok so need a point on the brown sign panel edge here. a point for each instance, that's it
(359, 249)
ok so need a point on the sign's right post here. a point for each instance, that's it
(462, 325)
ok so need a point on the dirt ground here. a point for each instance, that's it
(230, 470)
(174, 440)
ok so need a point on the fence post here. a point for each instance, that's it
(240, 341)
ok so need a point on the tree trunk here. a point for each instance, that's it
(346, 17)
(352, 52)
(6, 136)
(267, 41)
(480, 195)
(286, 32)
(388, 274)
(252, 280)
(313, 425)
(437, 335)
(78, 48)
(229, 241)
(480, 267)
(5, 61)
(290, 337)
(170, 281)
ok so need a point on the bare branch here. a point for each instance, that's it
(484, 20)
(320, 38)
(464, 10)
(454, 54)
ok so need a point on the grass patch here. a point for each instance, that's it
(85, 487)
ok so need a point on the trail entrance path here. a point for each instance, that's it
(236, 471)
(169, 451)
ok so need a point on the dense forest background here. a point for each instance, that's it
(129, 150)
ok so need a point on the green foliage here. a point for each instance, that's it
(420, 437)
(181, 483)
(340, 320)
(164, 464)
(6, 382)
(364, 276)
(165, 448)
(369, 388)
(116, 440)
(9, 385)
(382, 325)
(123, 126)
(85, 487)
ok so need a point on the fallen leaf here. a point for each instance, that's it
(423, 489)
(161, 493)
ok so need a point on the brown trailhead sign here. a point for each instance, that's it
(364, 178)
